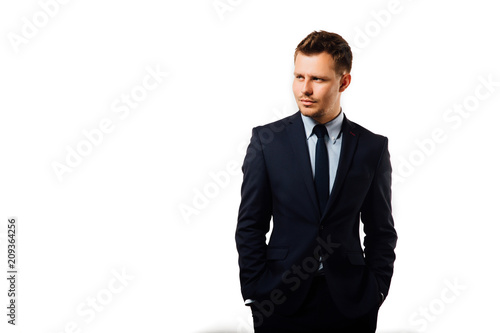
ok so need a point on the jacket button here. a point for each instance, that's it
(321, 227)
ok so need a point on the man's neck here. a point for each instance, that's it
(327, 117)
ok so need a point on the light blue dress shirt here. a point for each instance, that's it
(333, 144)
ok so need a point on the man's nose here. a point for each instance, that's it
(306, 88)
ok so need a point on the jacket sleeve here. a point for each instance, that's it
(378, 224)
(253, 218)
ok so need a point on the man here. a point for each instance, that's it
(316, 174)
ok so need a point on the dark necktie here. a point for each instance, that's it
(321, 172)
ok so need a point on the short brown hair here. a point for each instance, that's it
(332, 43)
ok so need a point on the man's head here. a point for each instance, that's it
(322, 72)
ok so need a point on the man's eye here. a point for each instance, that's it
(318, 79)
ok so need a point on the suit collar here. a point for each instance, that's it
(296, 134)
(350, 136)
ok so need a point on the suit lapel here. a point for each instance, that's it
(349, 143)
(296, 134)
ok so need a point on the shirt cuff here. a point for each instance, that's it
(249, 301)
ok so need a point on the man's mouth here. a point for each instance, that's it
(307, 101)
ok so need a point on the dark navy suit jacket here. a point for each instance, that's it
(278, 184)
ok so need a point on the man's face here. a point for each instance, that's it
(316, 86)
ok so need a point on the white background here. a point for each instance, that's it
(120, 209)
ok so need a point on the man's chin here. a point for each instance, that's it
(309, 112)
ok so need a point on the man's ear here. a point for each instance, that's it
(345, 81)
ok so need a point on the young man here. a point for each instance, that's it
(316, 174)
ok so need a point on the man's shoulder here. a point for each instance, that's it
(363, 131)
(280, 123)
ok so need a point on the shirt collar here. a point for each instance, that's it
(333, 127)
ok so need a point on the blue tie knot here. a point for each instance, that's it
(320, 131)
